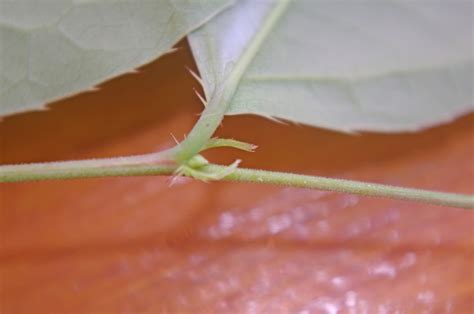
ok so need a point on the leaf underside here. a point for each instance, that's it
(386, 66)
(52, 49)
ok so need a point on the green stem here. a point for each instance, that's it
(85, 169)
(21, 173)
(220, 99)
(348, 186)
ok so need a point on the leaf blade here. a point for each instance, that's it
(55, 49)
(365, 66)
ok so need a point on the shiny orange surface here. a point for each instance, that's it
(137, 245)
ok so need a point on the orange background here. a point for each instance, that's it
(136, 245)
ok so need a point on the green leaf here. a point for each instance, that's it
(384, 66)
(55, 48)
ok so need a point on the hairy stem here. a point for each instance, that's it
(220, 99)
(85, 169)
(19, 173)
(349, 186)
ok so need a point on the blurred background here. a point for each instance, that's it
(137, 245)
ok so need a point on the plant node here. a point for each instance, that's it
(196, 168)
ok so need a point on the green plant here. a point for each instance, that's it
(414, 58)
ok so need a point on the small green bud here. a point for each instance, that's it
(197, 162)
